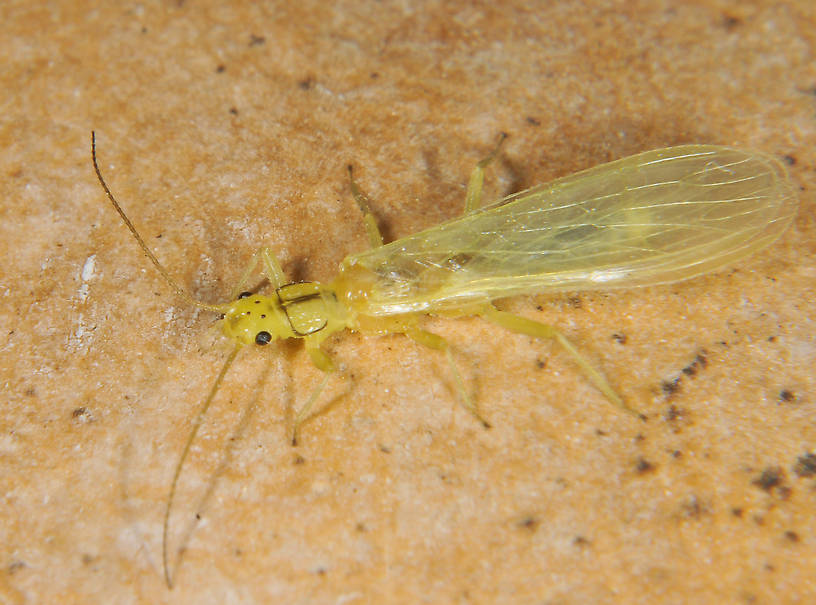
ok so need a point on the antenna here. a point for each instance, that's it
(180, 292)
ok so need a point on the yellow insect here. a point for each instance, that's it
(652, 218)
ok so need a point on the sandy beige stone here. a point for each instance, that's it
(225, 126)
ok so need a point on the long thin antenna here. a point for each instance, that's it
(180, 292)
(177, 473)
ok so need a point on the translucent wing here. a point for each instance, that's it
(652, 218)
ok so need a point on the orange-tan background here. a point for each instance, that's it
(222, 128)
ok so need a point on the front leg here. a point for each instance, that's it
(271, 269)
(324, 363)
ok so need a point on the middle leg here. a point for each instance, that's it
(434, 341)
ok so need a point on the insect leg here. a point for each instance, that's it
(434, 341)
(374, 236)
(522, 325)
(324, 363)
(473, 197)
(272, 270)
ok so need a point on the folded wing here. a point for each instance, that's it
(656, 217)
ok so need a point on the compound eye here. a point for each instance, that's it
(263, 338)
(244, 295)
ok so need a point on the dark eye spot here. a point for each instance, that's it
(244, 294)
(263, 338)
